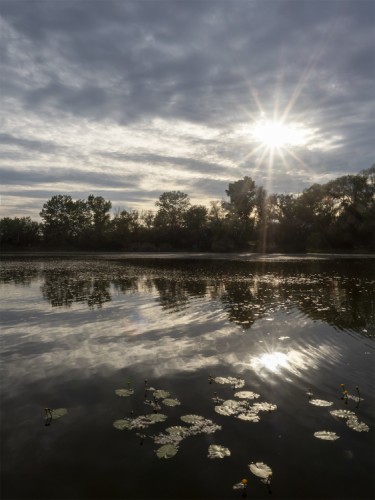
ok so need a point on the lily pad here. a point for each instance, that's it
(157, 417)
(326, 435)
(124, 393)
(177, 429)
(171, 402)
(58, 413)
(234, 381)
(263, 407)
(228, 407)
(217, 451)
(160, 394)
(141, 422)
(167, 451)
(246, 395)
(320, 402)
(239, 486)
(124, 423)
(356, 425)
(260, 469)
(191, 419)
(342, 413)
(249, 416)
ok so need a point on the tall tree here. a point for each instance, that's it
(242, 195)
(99, 209)
(65, 220)
(172, 208)
(240, 223)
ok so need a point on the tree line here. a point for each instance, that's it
(338, 215)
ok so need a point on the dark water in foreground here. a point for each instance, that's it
(73, 331)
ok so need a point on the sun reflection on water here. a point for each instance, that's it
(273, 361)
(294, 361)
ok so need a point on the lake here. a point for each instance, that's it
(269, 361)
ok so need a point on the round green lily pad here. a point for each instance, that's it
(58, 413)
(167, 451)
(124, 393)
(171, 402)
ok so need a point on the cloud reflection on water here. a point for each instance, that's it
(163, 321)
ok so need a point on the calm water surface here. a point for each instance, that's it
(74, 330)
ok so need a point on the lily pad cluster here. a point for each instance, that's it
(160, 395)
(175, 434)
(141, 422)
(351, 418)
(241, 407)
(172, 436)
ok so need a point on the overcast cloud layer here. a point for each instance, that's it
(128, 99)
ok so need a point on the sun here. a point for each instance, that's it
(278, 135)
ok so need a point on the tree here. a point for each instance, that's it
(19, 232)
(240, 225)
(65, 220)
(124, 229)
(172, 208)
(242, 195)
(196, 223)
(99, 209)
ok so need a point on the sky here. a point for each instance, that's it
(127, 99)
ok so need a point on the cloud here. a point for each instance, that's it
(169, 84)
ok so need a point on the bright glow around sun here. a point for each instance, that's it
(276, 134)
(274, 361)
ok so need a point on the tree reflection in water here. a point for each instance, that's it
(334, 292)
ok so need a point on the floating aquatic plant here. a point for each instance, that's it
(124, 393)
(156, 417)
(242, 410)
(326, 435)
(178, 429)
(218, 451)
(230, 407)
(261, 470)
(167, 451)
(263, 407)
(160, 394)
(342, 413)
(171, 402)
(140, 422)
(356, 425)
(249, 416)
(176, 434)
(192, 419)
(123, 423)
(320, 402)
(246, 395)
(241, 486)
(55, 413)
(237, 383)
(154, 404)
